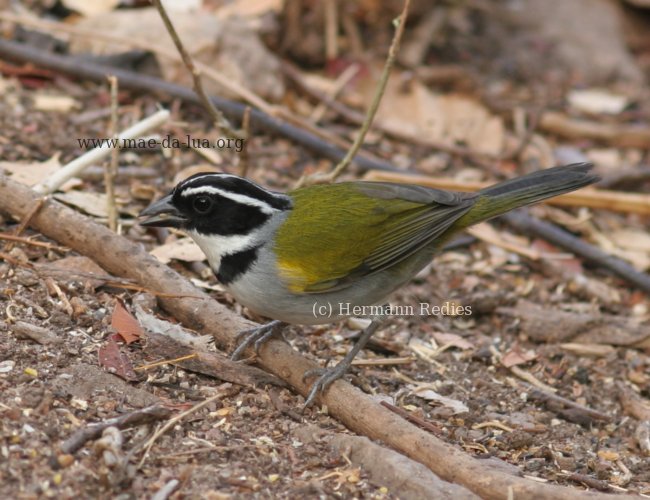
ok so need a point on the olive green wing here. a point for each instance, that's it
(340, 233)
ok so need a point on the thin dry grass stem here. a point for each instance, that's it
(110, 171)
(220, 121)
(372, 110)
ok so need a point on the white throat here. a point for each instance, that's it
(215, 246)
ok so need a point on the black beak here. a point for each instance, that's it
(162, 213)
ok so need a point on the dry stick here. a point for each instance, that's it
(128, 79)
(343, 79)
(137, 417)
(591, 198)
(626, 136)
(229, 84)
(111, 168)
(376, 100)
(331, 30)
(588, 413)
(358, 411)
(523, 222)
(220, 120)
(34, 243)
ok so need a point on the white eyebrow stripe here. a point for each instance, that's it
(239, 198)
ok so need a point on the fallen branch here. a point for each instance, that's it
(625, 136)
(590, 198)
(358, 411)
(567, 409)
(213, 364)
(525, 223)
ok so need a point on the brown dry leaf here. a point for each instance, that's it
(424, 391)
(125, 323)
(449, 119)
(174, 331)
(631, 239)
(553, 325)
(85, 268)
(230, 46)
(91, 203)
(182, 249)
(503, 239)
(453, 340)
(516, 357)
(31, 173)
(115, 361)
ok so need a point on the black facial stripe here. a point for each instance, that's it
(235, 264)
(226, 218)
(237, 185)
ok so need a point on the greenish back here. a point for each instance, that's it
(338, 233)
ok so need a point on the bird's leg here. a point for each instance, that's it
(329, 375)
(256, 336)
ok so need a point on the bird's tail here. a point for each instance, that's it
(525, 190)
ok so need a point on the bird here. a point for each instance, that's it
(295, 257)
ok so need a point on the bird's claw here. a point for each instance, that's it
(326, 377)
(256, 336)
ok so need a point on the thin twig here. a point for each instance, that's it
(173, 421)
(25, 222)
(220, 121)
(34, 243)
(244, 157)
(374, 105)
(412, 418)
(331, 30)
(343, 79)
(111, 168)
(137, 417)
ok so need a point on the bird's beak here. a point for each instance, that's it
(162, 213)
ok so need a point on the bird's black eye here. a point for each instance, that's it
(202, 204)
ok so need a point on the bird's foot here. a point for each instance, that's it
(256, 336)
(326, 377)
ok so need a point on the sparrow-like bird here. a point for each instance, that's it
(287, 256)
